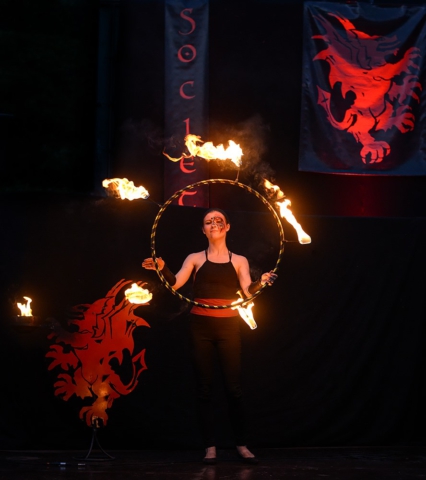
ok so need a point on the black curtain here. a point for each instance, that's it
(337, 358)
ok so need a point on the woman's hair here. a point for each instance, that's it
(215, 210)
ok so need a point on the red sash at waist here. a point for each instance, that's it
(214, 312)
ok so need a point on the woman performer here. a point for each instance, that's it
(218, 275)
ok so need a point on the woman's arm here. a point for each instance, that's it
(178, 280)
(249, 287)
(185, 272)
(266, 278)
(243, 272)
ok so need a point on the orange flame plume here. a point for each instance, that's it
(286, 213)
(138, 295)
(125, 189)
(25, 308)
(245, 313)
(209, 152)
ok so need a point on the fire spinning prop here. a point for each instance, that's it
(194, 185)
(209, 152)
(95, 348)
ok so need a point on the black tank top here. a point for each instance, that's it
(216, 280)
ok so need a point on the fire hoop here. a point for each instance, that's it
(205, 182)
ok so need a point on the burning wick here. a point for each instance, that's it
(245, 313)
(286, 213)
(138, 295)
(209, 152)
(303, 237)
(25, 309)
(125, 189)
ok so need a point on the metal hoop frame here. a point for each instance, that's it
(190, 187)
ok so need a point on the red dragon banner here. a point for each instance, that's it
(363, 106)
(90, 353)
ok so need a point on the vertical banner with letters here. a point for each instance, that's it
(186, 57)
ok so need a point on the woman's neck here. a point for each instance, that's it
(217, 249)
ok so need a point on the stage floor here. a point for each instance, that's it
(402, 463)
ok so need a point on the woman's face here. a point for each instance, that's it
(215, 223)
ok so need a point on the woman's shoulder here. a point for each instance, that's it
(195, 260)
(238, 258)
(196, 256)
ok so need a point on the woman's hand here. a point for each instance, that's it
(268, 278)
(148, 263)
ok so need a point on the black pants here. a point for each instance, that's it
(221, 336)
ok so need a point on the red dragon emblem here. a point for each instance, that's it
(376, 81)
(98, 341)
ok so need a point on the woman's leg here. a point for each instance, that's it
(203, 359)
(229, 349)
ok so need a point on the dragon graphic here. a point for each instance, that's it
(96, 353)
(374, 80)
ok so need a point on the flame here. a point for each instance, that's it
(275, 188)
(303, 237)
(125, 189)
(245, 313)
(175, 159)
(209, 152)
(286, 213)
(138, 295)
(25, 308)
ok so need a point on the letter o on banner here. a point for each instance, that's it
(187, 51)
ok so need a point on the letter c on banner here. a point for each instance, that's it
(182, 93)
(192, 52)
(190, 20)
(184, 194)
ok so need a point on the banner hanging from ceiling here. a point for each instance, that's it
(186, 41)
(363, 105)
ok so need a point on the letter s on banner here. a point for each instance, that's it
(189, 19)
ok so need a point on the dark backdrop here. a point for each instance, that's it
(337, 358)
(338, 355)
(255, 75)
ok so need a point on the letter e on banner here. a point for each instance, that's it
(186, 194)
(183, 165)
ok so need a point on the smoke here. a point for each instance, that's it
(143, 132)
(251, 134)
(145, 136)
(253, 137)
